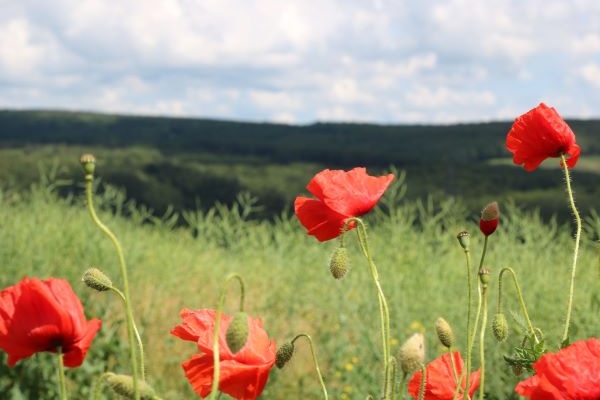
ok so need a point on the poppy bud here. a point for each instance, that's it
(445, 333)
(284, 354)
(464, 239)
(489, 218)
(338, 264)
(412, 353)
(484, 276)
(237, 333)
(88, 162)
(96, 279)
(123, 386)
(500, 327)
(517, 369)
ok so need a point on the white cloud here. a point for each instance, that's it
(591, 74)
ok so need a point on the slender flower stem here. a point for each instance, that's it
(423, 383)
(469, 318)
(98, 387)
(383, 306)
(123, 268)
(61, 375)
(521, 299)
(314, 357)
(135, 330)
(482, 343)
(216, 355)
(565, 336)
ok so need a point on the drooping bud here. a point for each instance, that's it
(123, 386)
(500, 327)
(96, 279)
(237, 332)
(464, 239)
(445, 333)
(517, 369)
(88, 162)
(490, 215)
(411, 355)
(284, 354)
(338, 264)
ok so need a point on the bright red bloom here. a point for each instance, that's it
(339, 195)
(440, 379)
(573, 373)
(242, 375)
(539, 134)
(43, 315)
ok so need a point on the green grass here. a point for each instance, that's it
(288, 284)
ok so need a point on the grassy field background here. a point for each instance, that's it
(421, 266)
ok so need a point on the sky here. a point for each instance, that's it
(303, 61)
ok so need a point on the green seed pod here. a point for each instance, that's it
(88, 162)
(500, 327)
(284, 354)
(412, 353)
(96, 279)
(445, 333)
(123, 386)
(464, 239)
(237, 333)
(484, 276)
(338, 264)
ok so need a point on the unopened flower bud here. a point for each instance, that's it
(500, 327)
(88, 162)
(412, 353)
(464, 239)
(237, 332)
(123, 386)
(517, 369)
(445, 333)
(96, 279)
(284, 354)
(484, 276)
(338, 264)
(490, 215)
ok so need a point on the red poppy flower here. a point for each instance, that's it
(242, 375)
(490, 216)
(44, 315)
(538, 134)
(339, 195)
(441, 380)
(573, 373)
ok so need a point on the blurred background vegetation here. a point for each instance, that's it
(188, 164)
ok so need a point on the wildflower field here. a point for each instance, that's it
(422, 270)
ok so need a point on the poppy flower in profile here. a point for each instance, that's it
(572, 373)
(242, 375)
(539, 134)
(490, 216)
(339, 195)
(44, 315)
(440, 381)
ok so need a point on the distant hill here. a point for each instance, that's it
(186, 162)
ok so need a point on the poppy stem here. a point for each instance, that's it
(314, 357)
(482, 343)
(521, 299)
(565, 337)
(123, 267)
(469, 316)
(383, 306)
(423, 383)
(98, 386)
(61, 375)
(216, 355)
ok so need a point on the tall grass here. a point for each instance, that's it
(288, 284)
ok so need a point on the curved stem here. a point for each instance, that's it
(61, 375)
(123, 268)
(216, 355)
(565, 336)
(136, 332)
(383, 306)
(521, 299)
(98, 387)
(314, 357)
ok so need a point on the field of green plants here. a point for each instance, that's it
(421, 266)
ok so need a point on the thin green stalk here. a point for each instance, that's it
(216, 355)
(137, 334)
(482, 344)
(469, 316)
(521, 299)
(423, 383)
(383, 306)
(565, 336)
(98, 387)
(123, 268)
(315, 361)
(61, 375)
